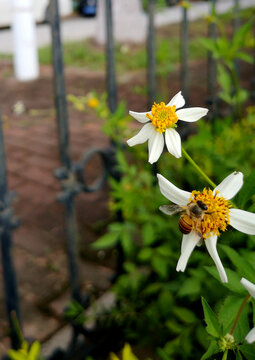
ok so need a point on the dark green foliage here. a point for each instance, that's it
(155, 304)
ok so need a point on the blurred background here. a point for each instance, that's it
(88, 263)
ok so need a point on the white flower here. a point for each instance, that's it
(162, 119)
(250, 287)
(211, 221)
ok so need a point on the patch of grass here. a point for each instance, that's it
(128, 57)
(5, 57)
(80, 54)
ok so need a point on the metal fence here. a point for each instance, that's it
(70, 174)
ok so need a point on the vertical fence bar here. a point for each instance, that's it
(236, 26)
(65, 173)
(112, 103)
(151, 54)
(6, 225)
(184, 54)
(110, 58)
(59, 82)
(212, 66)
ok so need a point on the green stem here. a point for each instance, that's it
(16, 327)
(225, 355)
(198, 169)
(246, 299)
(236, 84)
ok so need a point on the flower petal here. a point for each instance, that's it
(230, 186)
(249, 286)
(243, 221)
(173, 142)
(156, 146)
(211, 247)
(140, 116)
(143, 135)
(173, 193)
(177, 100)
(250, 337)
(191, 114)
(188, 243)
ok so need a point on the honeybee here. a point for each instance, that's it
(192, 215)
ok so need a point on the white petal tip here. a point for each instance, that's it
(181, 265)
(250, 338)
(179, 268)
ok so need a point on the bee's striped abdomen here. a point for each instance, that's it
(185, 224)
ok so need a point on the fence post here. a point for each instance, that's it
(64, 174)
(110, 62)
(7, 223)
(26, 63)
(151, 54)
(212, 65)
(184, 54)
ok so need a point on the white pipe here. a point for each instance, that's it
(26, 65)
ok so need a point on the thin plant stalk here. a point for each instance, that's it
(246, 299)
(198, 169)
(225, 355)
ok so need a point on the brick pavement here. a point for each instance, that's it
(39, 243)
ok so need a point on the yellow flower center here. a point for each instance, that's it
(93, 102)
(162, 116)
(216, 218)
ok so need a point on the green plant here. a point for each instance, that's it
(227, 50)
(26, 352)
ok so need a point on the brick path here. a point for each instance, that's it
(39, 243)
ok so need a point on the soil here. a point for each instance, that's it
(31, 143)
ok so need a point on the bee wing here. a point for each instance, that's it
(170, 209)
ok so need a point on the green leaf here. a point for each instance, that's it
(239, 36)
(164, 250)
(127, 353)
(242, 327)
(210, 45)
(145, 254)
(185, 315)
(248, 351)
(126, 242)
(153, 288)
(34, 351)
(228, 311)
(16, 355)
(242, 265)
(247, 191)
(148, 234)
(224, 79)
(160, 265)
(189, 287)
(212, 350)
(245, 57)
(238, 355)
(165, 303)
(162, 354)
(213, 326)
(108, 240)
(233, 283)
